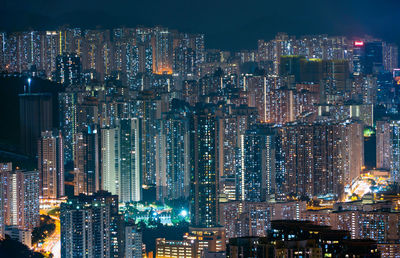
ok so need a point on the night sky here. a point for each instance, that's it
(231, 25)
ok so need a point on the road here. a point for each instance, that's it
(52, 243)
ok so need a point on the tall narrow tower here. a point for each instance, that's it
(204, 167)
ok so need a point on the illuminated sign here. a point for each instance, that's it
(358, 43)
(396, 75)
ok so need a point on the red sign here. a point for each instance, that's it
(359, 43)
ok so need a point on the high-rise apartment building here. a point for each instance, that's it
(87, 162)
(233, 123)
(121, 166)
(4, 167)
(256, 176)
(110, 169)
(374, 57)
(162, 43)
(130, 160)
(148, 109)
(20, 198)
(51, 164)
(358, 57)
(143, 42)
(88, 224)
(242, 218)
(383, 145)
(68, 69)
(318, 158)
(372, 219)
(204, 166)
(52, 49)
(36, 116)
(133, 241)
(388, 147)
(173, 170)
(96, 54)
(68, 121)
(390, 57)
(395, 150)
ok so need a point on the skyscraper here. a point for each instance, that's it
(143, 42)
(204, 166)
(373, 57)
(95, 52)
(335, 79)
(121, 163)
(68, 121)
(68, 69)
(20, 198)
(318, 158)
(352, 138)
(88, 224)
(110, 169)
(162, 51)
(51, 164)
(36, 116)
(233, 123)
(87, 162)
(132, 64)
(274, 105)
(383, 145)
(358, 57)
(173, 171)
(4, 167)
(185, 60)
(395, 150)
(149, 111)
(132, 241)
(130, 160)
(3, 51)
(52, 49)
(256, 176)
(390, 57)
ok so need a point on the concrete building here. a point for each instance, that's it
(133, 241)
(175, 249)
(121, 163)
(36, 116)
(89, 225)
(51, 164)
(20, 198)
(204, 167)
(22, 235)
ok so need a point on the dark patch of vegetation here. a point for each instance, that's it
(45, 229)
(15, 249)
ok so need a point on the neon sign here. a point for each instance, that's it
(358, 43)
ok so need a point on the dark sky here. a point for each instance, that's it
(234, 24)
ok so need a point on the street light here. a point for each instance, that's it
(29, 84)
(183, 213)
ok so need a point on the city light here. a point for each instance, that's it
(151, 141)
(358, 43)
(29, 85)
